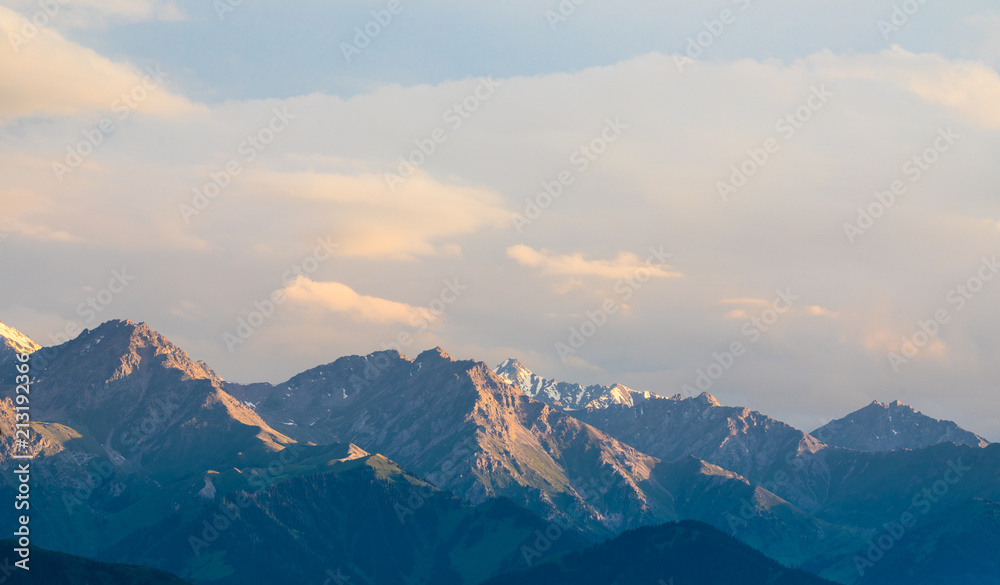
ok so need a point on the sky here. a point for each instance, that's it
(789, 205)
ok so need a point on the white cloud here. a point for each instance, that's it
(625, 265)
(49, 75)
(340, 298)
(746, 301)
(970, 88)
(819, 311)
(96, 13)
(419, 218)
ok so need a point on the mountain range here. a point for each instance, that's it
(385, 469)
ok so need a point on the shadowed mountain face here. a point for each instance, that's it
(887, 427)
(362, 520)
(48, 567)
(671, 554)
(956, 544)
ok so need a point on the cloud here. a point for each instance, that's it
(23, 209)
(814, 310)
(971, 88)
(373, 221)
(881, 342)
(746, 301)
(340, 298)
(625, 265)
(38, 232)
(821, 311)
(49, 75)
(98, 13)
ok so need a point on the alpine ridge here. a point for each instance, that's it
(887, 427)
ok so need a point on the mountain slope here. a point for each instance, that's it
(49, 567)
(744, 441)
(956, 546)
(466, 430)
(688, 552)
(363, 520)
(887, 427)
(13, 340)
(12, 343)
(767, 452)
(118, 413)
(846, 494)
(145, 403)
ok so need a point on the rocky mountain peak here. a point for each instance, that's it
(514, 372)
(890, 426)
(706, 398)
(566, 396)
(434, 355)
(131, 347)
(16, 341)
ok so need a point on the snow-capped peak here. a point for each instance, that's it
(566, 395)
